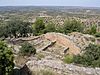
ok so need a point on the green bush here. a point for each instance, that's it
(50, 28)
(73, 26)
(27, 49)
(91, 56)
(68, 59)
(91, 30)
(38, 27)
(60, 29)
(6, 59)
(97, 34)
(15, 28)
(40, 56)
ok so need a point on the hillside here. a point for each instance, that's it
(49, 40)
(51, 49)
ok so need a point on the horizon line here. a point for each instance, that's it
(48, 6)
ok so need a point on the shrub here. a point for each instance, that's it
(68, 59)
(97, 34)
(50, 27)
(60, 29)
(91, 30)
(91, 56)
(38, 27)
(6, 59)
(40, 56)
(73, 26)
(15, 28)
(27, 49)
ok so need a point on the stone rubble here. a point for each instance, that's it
(72, 43)
(61, 68)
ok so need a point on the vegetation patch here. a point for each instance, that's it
(90, 57)
(40, 56)
(73, 26)
(6, 59)
(97, 34)
(27, 49)
(68, 59)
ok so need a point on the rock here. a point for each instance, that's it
(81, 40)
(62, 68)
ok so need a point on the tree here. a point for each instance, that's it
(15, 28)
(6, 59)
(27, 49)
(93, 30)
(60, 29)
(24, 29)
(39, 26)
(4, 30)
(50, 27)
(73, 26)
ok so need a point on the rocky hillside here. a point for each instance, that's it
(51, 48)
(72, 43)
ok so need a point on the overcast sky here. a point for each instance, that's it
(89, 3)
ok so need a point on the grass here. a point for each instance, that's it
(68, 59)
(40, 56)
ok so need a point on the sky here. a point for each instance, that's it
(85, 3)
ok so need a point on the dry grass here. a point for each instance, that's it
(40, 56)
(44, 72)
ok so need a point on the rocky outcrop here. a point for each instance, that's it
(61, 68)
(81, 40)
